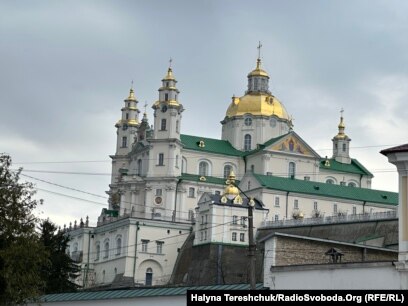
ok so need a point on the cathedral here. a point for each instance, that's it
(166, 185)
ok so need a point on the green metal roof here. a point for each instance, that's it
(210, 145)
(328, 190)
(354, 167)
(136, 292)
(260, 147)
(208, 179)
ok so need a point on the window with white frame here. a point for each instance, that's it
(191, 192)
(124, 142)
(276, 217)
(205, 235)
(159, 192)
(163, 125)
(335, 208)
(118, 245)
(329, 181)
(243, 220)
(242, 237)
(292, 169)
(177, 161)
(227, 170)
(354, 210)
(145, 245)
(234, 236)
(159, 247)
(97, 251)
(247, 142)
(139, 167)
(183, 165)
(234, 219)
(160, 159)
(277, 201)
(296, 204)
(106, 249)
(203, 168)
(315, 205)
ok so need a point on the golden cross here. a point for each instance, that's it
(259, 49)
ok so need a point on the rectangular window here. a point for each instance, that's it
(269, 173)
(206, 219)
(159, 192)
(335, 208)
(201, 236)
(296, 204)
(243, 219)
(277, 201)
(124, 142)
(307, 178)
(315, 205)
(205, 235)
(354, 210)
(191, 192)
(160, 161)
(202, 219)
(166, 96)
(234, 236)
(276, 217)
(163, 125)
(159, 246)
(144, 245)
(242, 237)
(234, 219)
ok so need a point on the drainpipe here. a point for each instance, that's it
(287, 204)
(175, 201)
(134, 263)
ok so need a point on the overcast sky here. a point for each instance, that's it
(66, 66)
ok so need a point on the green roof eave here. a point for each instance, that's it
(354, 167)
(203, 179)
(328, 190)
(210, 145)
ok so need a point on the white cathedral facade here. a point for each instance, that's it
(161, 182)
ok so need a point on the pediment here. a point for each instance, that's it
(292, 144)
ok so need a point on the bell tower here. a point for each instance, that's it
(166, 144)
(127, 126)
(341, 144)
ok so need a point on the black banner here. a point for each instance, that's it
(282, 297)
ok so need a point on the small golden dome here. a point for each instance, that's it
(169, 76)
(231, 190)
(258, 71)
(265, 105)
(341, 126)
(132, 96)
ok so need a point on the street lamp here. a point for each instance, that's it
(232, 192)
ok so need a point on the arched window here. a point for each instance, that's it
(344, 147)
(203, 168)
(97, 251)
(163, 125)
(227, 170)
(124, 142)
(118, 246)
(292, 169)
(352, 184)
(149, 277)
(247, 142)
(329, 181)
(106, 249)
(139, 167)
(183, 165)
(166, 96)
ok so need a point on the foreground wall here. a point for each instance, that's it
(336, 276)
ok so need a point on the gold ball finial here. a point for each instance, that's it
(231, 191)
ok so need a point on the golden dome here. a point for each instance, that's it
(264, 105)
(231, 190)
(169, 76)
(132, 96)
(341, 126)
(258, 71)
